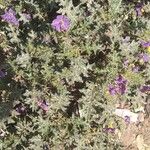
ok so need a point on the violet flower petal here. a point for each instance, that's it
(145, 88)
(144, 57)
(10, 17)
(127, 119)
(138, 9)
(61, 23)
(145, 44)
(2, 74)
(112, 90)
(109, 130)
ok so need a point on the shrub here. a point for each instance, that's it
(64, 67)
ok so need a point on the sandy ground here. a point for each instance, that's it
(137, 137)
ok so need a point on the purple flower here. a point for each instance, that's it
(145, 88)
(127, 119)
(112, 90)
(138, 9)
(121, 84)
(120, 80)
(10, 17)
(119, 87)
(21, 109)
(145, 44)
(61, 23)
(144, 57)
(43, 105)
(2, 73)
(109, 130)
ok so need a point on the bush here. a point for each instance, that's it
(64, 67)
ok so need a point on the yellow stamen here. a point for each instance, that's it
(148, 49)
(110, 125)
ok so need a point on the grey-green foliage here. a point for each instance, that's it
(71, 71)
(115, 6)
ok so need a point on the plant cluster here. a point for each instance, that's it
(65, 65)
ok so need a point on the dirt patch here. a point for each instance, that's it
(136, 137)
